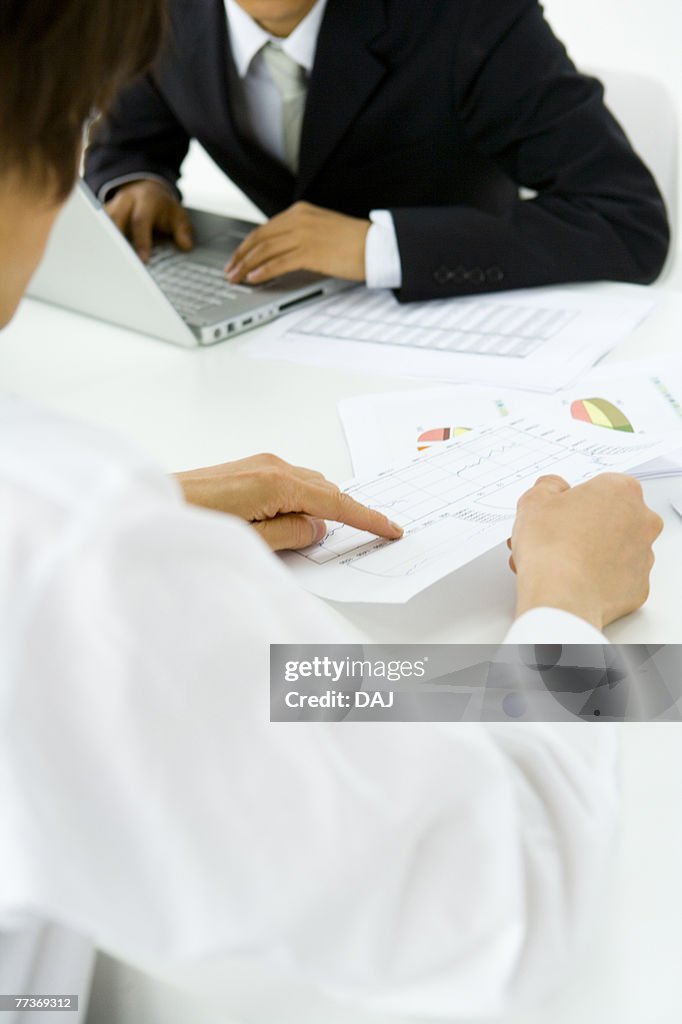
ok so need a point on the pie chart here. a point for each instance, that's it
(438, 435)
(601, 413)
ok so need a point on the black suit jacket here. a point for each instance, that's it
(437, 110)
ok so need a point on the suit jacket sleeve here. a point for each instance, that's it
(598, 213)
(139, 135)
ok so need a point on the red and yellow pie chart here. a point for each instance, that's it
(438, 436)
(601, 413)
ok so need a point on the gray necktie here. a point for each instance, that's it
(290, 80)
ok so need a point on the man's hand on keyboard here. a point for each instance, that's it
(304, 237)
(143, 208)
(286, 504)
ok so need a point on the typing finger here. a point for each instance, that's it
(288, 263)
(141, 227)
(267, 235)
(180, 227)
(261, 254)
(119, 209)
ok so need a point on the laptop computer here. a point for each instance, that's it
(184, 298)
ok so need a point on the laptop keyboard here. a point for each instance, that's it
(189, 285)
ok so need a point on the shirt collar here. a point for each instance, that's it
(247, 38)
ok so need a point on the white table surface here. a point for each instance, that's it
(205, 406)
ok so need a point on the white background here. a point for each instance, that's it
(633, 35)
(630, 35)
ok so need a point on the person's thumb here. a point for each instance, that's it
(291, 532)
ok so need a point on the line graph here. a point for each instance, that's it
(457, 501)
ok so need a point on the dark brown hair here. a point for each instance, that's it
(59, 61)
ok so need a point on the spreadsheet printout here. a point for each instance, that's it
(455, 503)
(540, 338)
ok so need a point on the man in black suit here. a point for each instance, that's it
(387, 141)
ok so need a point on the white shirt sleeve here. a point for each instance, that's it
(551, 625)
(148, 802)
(383, 268)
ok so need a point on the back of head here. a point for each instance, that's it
(60, 61)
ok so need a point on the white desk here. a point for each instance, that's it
(199, 407)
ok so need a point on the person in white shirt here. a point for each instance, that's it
(147, 801)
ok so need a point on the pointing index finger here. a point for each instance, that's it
(325, 501)
(352, 513)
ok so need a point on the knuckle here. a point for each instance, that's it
(140, 219)
(263, 250)
(526, 499)
(274, 470)
(628, 484)
(609, 480)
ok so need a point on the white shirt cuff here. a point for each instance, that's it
(383, 268)
(551, 625)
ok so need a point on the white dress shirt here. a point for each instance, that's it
(148, 802)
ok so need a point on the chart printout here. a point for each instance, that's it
(638, 398)
(455, 503)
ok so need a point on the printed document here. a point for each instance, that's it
(383, 430)
(455, 503)
(541, 338)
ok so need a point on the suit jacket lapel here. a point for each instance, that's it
(346, 74)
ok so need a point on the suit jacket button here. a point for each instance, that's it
(477, 276)
(442, 275)
(460, 275)
(494, 275)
